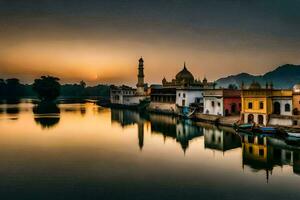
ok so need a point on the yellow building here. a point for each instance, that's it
(258, 104)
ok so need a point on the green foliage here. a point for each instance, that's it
(47, 88)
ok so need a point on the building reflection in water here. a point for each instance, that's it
(46, 114)
(181, 130)
(220, 139)
(130, 117)
(264, 153)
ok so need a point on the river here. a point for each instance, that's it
(83, 151)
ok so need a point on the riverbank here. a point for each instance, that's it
(215, 119)
(229, 121)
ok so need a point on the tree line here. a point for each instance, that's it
(49, 88)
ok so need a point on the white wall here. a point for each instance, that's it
(190, 96)
(282, 105)
(280, 121)
(132, 100)
(216, 109)
(124, 96)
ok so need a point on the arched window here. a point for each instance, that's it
(287, 107)
(250, 118)
(260, 119)
(250, 105)
(276, 108)
(261, 105)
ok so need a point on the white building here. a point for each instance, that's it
(283, 105)
(188, 96)
(222, 102)
(213, 103)
(128, 96)
(124, 95)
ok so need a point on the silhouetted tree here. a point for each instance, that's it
(47, 88)
(232, 86)
(13, 88)
(2, 88)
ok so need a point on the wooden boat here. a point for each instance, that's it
(292, 138)
(260, 130)
(243, 128)
(186, 112)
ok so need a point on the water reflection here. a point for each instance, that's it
(265, 153)
(92, 149)
(220, 139)
(46, 114)
(259, 153)
(182, 131)
(130, 117)
(12, 108)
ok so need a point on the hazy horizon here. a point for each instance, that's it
(101, 41)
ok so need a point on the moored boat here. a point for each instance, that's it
(261, 130)
(185, 111)
(292, 134)
(293, 138)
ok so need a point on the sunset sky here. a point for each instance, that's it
(100, 41)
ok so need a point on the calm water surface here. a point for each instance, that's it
(83, 151)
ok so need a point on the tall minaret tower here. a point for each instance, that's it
(140, 84)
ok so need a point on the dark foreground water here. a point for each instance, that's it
(83, 151)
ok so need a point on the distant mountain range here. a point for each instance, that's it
(285, 76)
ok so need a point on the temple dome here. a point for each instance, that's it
(184, 75)
(296, 88)
(255, 85)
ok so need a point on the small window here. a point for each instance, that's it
(287, 107)
(295, 123)
(250, 105)
(179, 94)
(183, 95)
(213, 104)
(261, 152)
(219, 104)
(261, 105)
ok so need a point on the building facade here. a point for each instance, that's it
(223, 102)
(260, 105)
(188, 92)
(163, 100)
(190, 97)
(121, 94)
(296, 99)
